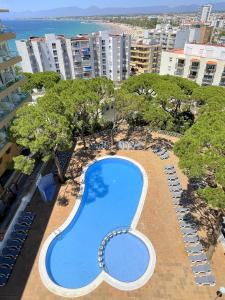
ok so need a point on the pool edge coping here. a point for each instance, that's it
(103, 276)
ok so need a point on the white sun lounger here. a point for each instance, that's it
(172, 177)
(195, 249)
(188, 231)
(182, 210)
(186, 224)
(198, 258)
(177, 188)
(205, 268)
(205, 280)
(191, 239)
(173, 182)
(170, 172)
(169, 167)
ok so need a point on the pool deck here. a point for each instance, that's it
(172, 279)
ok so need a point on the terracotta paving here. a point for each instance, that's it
(172, 279)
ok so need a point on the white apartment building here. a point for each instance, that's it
(204, 64)
(204, 13)
(83, 56)
(172, 37)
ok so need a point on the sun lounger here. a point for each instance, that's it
(172, 177)
(170, 172)
(18, 236)
(169, 167)
(205, 268)
(21, 228)
(173, 182)
(198, 258)
(186, 224)
(161, 152)
(205, 280)
(10, 252)
(27, 214)
(188, 231)
(182, 210)
(24, 221)
(195, 249)
(191, 239)
(7, 261)
(177, 194)
(5, 272)
(185, 217)
(3, 280)
(177, 188)
(165, 156)
(14, 243)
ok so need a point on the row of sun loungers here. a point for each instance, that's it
(14, 245)
(130, 145)
(162, 153)
(201, 268)
(100, 146)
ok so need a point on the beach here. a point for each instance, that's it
(118, 28)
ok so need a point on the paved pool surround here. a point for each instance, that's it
(103, 276)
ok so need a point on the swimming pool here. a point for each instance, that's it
(113, 194)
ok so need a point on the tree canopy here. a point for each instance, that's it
(70, 107)
(41, 80)
(167, 99)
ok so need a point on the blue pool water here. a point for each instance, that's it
(113, 188)
(126, 257)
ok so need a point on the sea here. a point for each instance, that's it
(27, 28)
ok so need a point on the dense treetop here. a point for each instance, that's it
(76, 107)
(41, 80)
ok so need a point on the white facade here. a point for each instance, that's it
(204, 13)
(204, 64)
(172, 37)
(83, 56)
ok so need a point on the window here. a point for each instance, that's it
(54, 52)
(170, 59)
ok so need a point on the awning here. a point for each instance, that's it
(210, 62)
(195, 59)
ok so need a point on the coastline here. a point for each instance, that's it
(119, 28)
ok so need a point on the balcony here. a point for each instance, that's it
(8, 59)
(6, 34)
(194, 68)
(10, 86)
(8, 108)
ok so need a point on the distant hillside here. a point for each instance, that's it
(96, 11)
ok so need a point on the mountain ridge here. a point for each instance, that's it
(96, 11)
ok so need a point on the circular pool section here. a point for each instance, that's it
(126, 257)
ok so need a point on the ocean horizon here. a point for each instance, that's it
(27, 28)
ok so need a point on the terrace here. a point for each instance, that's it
(172, 279)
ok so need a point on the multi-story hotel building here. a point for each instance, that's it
(11, 98)
(204, 64)
(145, 58)
(172, 37)
(83, 56)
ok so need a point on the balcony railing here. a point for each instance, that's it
(11, 82)
(194, 68)
(4, 29)
(7, 55)
(7, 107)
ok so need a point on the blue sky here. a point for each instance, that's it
(23, 5)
